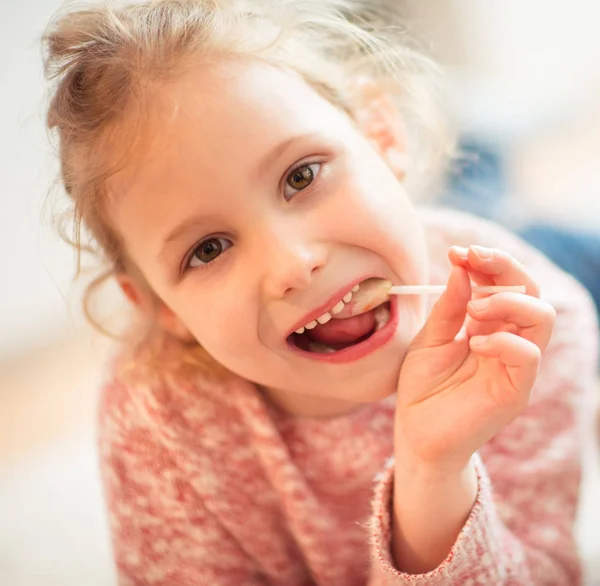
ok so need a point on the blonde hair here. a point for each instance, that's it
(105, 59)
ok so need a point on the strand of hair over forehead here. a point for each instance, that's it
(335, 27)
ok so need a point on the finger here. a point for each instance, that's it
(458, 256)
(520, 357)
(480, 328)
(534, 318)
(500, 267)
(489, 266)
(449, 312)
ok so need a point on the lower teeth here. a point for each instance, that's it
(382, 316)
(319, 347)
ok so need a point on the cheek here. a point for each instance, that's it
(381, 195)
(369, 193)
(373, 210)
(225, 327)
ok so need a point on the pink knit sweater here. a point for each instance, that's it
(209, 485)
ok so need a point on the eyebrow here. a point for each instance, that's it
(272, 157)
(191, 224)
(281, 150)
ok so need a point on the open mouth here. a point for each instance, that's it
(364, 319)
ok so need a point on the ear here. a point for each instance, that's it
(134, 292)
(380, 121)
(148, 303)
(170, 322)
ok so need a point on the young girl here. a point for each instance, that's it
(244, 168)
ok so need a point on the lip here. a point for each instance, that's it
(358, 351)
(331, 302)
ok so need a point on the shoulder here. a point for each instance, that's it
(163, 406)
(445, 227)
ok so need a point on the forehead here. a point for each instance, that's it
(217, 114)
(232, 107)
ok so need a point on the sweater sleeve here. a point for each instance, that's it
(520, 530)
(162, 532)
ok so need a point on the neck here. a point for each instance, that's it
(309, 407)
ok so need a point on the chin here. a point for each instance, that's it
(378, 384)
(368, 381)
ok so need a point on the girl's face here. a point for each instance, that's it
(257, 206)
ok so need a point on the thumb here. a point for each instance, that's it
(448, 314)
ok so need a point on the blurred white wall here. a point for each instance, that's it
(36, 266)
(514, 66)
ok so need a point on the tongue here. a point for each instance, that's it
(344, 331)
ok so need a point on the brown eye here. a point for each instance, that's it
(300, 178)
(208, 251)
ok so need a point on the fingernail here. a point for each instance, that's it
(461, 251)
(482, 252)
(478, 305)
(478, 340)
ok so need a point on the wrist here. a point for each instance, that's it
(426, 482)
(432, 470)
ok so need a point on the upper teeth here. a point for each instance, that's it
(324, 318)
(337, 308)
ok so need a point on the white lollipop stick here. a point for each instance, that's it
(439, 289)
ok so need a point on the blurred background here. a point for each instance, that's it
(524, 84)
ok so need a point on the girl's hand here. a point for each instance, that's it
(470, 370)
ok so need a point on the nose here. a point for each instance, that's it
(292, 266)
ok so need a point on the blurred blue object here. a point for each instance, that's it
(576, 252)
(477, 182)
